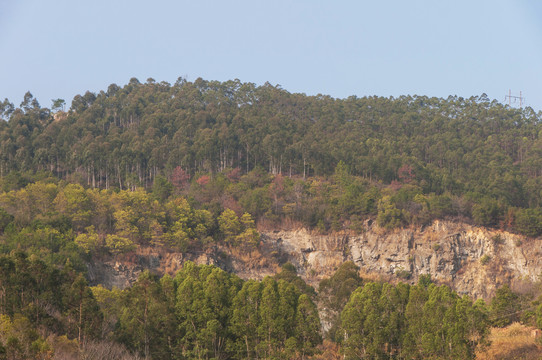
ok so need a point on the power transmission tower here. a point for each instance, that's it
(510, 97)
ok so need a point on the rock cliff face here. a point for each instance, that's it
(471, 260)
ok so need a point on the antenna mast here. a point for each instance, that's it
(511, 97)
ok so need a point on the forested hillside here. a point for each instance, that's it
(321, 161)
(199, 167)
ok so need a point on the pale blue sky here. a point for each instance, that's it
(60, 48)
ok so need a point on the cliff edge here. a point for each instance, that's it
(471, 260)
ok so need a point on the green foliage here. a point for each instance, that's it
(370, 321)
(143, 323)
(246, 318)
(249, 236)
(68, 221)
(188, 226)
(261, 149)
(216, 314)
(118, 244)
(175, 166)
(58, 104)
(288, 273)
(82, 310)
(89, 241)
(237, 231)
(242, 126)
(20, 340)
(229, 226)
(256, 201)
(440, 206)
(204, 312)
(39, 302)
(74, 203)
(419, 322)
(307, 326)
(529, 222)
(487, 212)
(538, 315)
(497, 240)
(425, 280)
(110, 303)
(389, 216)
(335, 291)
(403, 274)
(485, 259)
(504, 307)
(45, 242)
(161, 189)
(5, 219)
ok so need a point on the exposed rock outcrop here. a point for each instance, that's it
(472, 260)
(123, 271)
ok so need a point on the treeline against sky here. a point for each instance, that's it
(469, 158)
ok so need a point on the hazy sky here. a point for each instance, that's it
(60, 48)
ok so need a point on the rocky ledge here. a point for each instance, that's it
(471, 260)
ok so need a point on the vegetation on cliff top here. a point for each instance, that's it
(324, 162)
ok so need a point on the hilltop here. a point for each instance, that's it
(427, 200)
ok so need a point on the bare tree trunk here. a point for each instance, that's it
(146, 334)
(118, 174)
(80, 315)
(248, 351)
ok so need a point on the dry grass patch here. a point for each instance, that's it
(430, 236)
(376, 277)
(328, 351)
(514, 342)
(252, 258)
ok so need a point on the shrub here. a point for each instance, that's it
(403, 274)
(529, 222)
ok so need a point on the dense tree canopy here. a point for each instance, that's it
(198, 165)
(470, 158)
(382, 321)
(204, 312)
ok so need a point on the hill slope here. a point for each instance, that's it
(409, 159)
